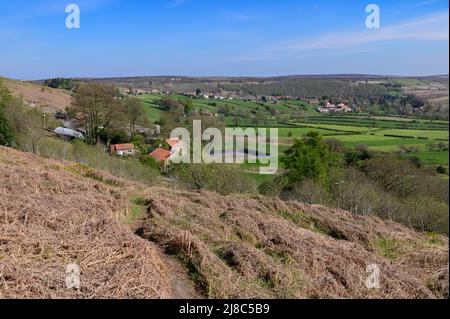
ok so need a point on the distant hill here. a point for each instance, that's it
(315, 86)
(121, 233)
(36, 95)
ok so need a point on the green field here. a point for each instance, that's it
(152, 110)
(434, 135)
(342, 128)
(367, 122)
(297, 132)
(380, 133)
(439, 158)
(378, 143)
(408, 82)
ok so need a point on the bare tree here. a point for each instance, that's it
(134, 112)
(97, 106)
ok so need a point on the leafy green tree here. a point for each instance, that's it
(140, 145)
(6, 137)
(309, 158)
(188, 106)
(5, 96)
(61, 83)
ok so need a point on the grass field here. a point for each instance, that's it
(408, 82)
(343, 128)
(408, 120)
(351, 130)
(378, 122)
(436, 135)
(439, 158)
(379, 143)
(152, 109)
(297, 132)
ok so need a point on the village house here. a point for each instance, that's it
(161, 155)
(122, 149)
(314, 102)
(331, 108)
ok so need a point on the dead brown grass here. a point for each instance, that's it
(52, 215)
(240, 247)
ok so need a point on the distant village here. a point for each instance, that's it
(331, 108)
(324, 107)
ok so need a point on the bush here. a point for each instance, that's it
(425, 214)
(310, 192)
(395, 175)
(441, 170)
(273, 188)
(97, 158)
(220, 178)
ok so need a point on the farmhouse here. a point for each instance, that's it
(122, 149)
(161, 155)
(331, 108)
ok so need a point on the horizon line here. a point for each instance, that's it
(235, 77)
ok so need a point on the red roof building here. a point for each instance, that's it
(172, 142)
(160, 154)
(122, 149)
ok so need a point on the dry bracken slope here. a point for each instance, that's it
(234, 247)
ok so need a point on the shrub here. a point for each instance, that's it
(273, 188)
(426, 214)
(310, 192)
(221, 178)
(441, 170)
(97, 158)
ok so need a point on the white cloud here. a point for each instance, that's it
(426, 3)
(428, 28)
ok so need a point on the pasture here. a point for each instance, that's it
(295, 118)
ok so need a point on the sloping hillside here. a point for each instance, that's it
(39, 96)
(257, 247)
(52, 215)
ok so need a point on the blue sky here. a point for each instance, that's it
(229, 38)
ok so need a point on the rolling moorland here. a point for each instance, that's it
(376, 193)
